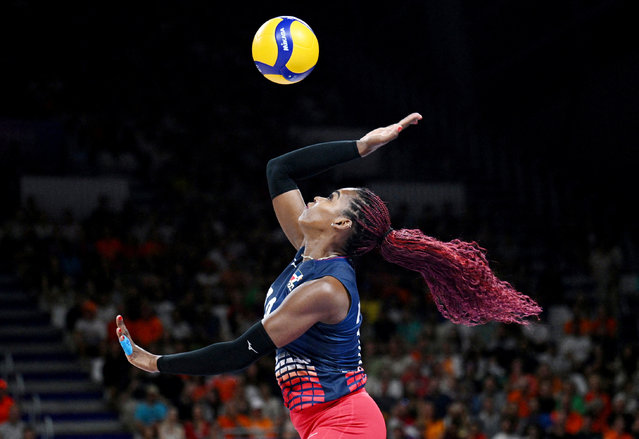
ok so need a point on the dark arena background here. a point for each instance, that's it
(133, 143)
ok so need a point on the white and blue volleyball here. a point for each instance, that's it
(285, 50)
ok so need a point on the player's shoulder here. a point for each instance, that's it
(321, 286)
(330, 295)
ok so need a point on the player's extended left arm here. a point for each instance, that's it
(214, 359)
(220, 357)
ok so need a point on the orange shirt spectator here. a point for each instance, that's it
(599, 403)
(574, 423)
(233, 421)
(260, 425)
(430, 426)
(198, 388)
(434, 429)
(148, 328)
(225, 385)
(146, 331)
(519, 398)
(617, 430)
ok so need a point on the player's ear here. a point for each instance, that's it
(342, 223)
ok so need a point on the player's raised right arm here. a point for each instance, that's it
(284, 171)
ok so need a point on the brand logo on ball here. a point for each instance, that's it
(284, 40)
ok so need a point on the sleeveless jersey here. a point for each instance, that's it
(325, 362)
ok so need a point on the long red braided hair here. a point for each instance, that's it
(464, 287)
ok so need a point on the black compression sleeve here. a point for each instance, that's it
(282, 172)
(220, 357)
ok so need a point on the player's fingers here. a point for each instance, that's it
(126, 344)
(411, 119)
(119, 321)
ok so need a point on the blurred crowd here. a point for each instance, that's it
(196, 272)
(189, 262)
(12, 425)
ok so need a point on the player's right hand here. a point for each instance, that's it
(379, 137)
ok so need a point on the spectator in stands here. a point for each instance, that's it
(197, 427)
(260, 425)
(150, 412)
(234, 421)
(6, 401)
(272, 407)
(171, 427)
(619, 411)
(430, 426)
(489, 417)
(605, 261)
(404, 416)
(576, 345)
(617, 429)
(572, 421)
(634, 427)
(507, 429)
(108, 246)
(226, 385)
(385, 389)
(29, 432)
(115, 377)
(598, 403)
(489, 389)
(457, 422)
(180, 328)
(13, 427)
(89, 332)
(534, 431)
(148, 328)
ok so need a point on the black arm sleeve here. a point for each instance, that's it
(283, 171)
(220, 357)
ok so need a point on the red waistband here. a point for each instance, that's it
(310, 411)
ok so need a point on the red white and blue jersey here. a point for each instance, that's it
(324, 363)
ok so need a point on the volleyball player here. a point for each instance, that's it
(311, 311)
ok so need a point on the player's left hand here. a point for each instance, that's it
(135, 354)
(379, 137)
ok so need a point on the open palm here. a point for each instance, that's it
(138, 357)
(379, 137)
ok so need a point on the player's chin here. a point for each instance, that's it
(307, 219)
(303, 218)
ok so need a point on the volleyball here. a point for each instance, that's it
(285, 50)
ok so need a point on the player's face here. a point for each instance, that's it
(324, 211)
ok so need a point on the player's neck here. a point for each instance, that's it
(319, 249)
